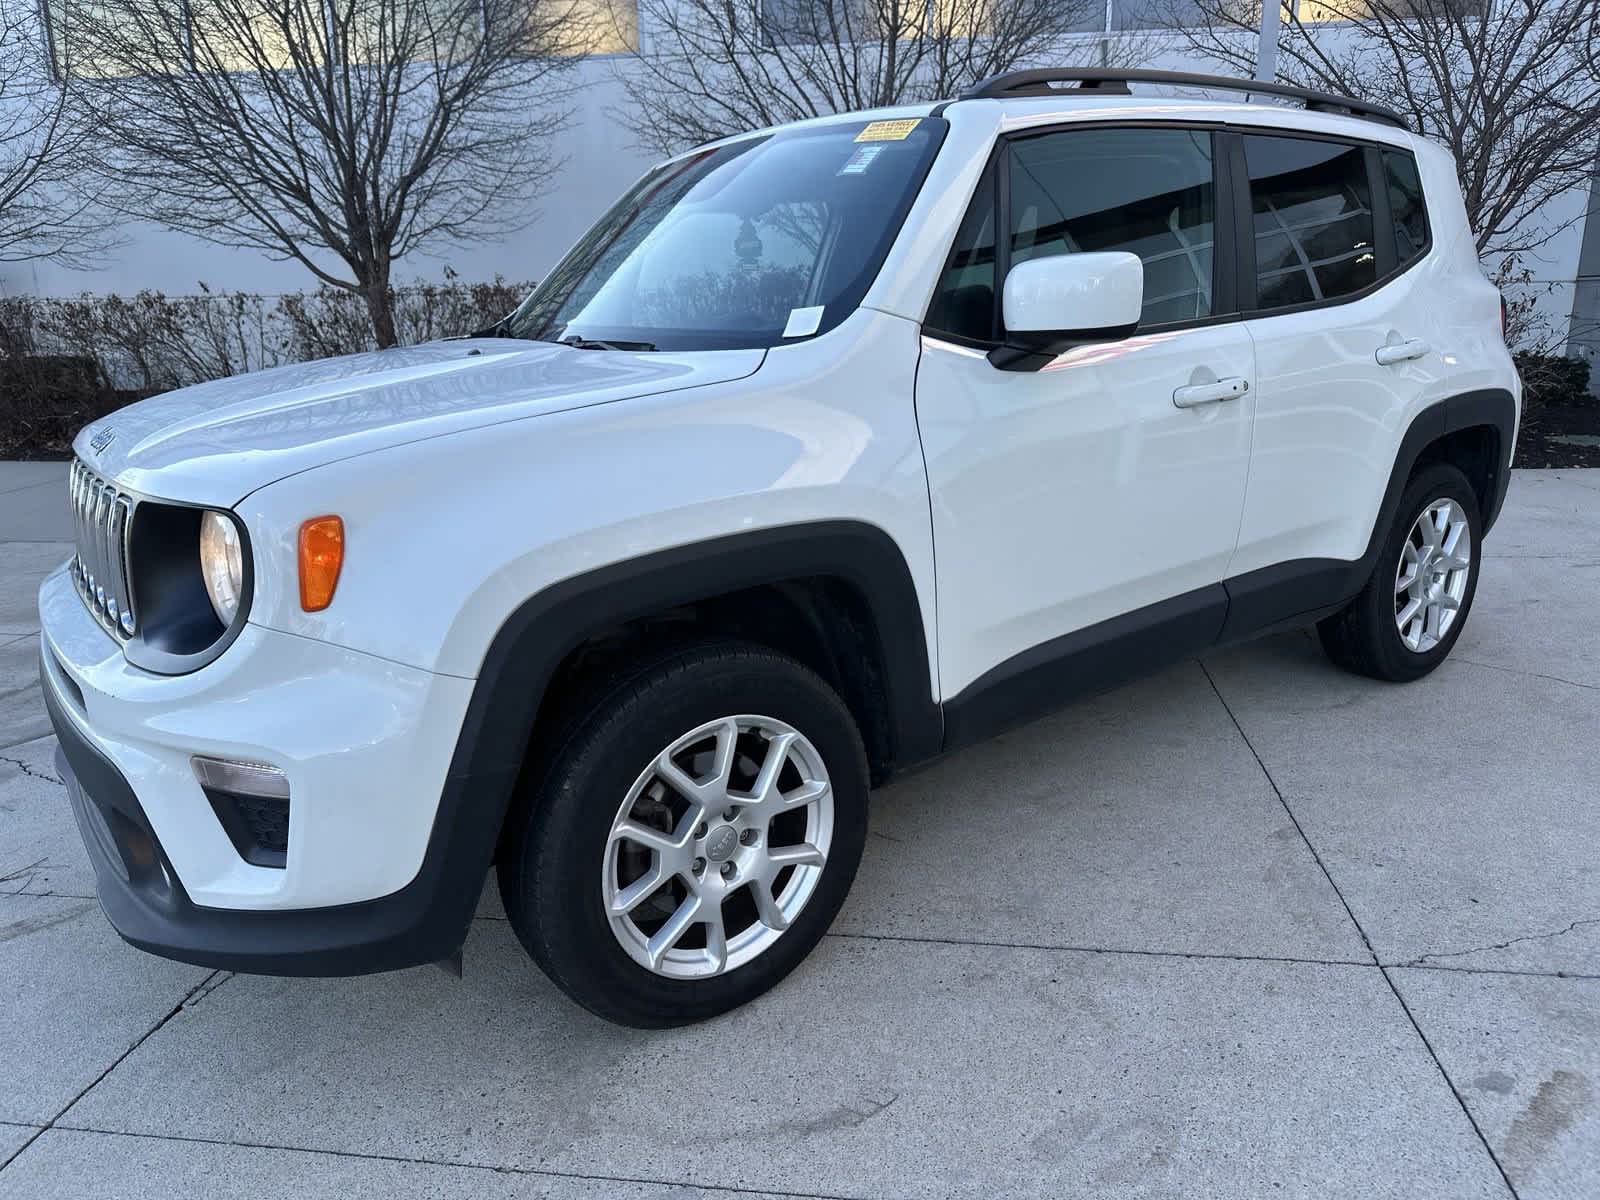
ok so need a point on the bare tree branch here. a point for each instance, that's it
(1512, 87)
(714, 67)
(47, 203)
(342, 134)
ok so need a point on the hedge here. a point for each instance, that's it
(64, 362)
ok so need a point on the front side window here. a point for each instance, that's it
(1150, 192)
(743, 245)
(964, 302)
(1312, 209)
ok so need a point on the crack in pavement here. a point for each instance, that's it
(1471, 662)
(117, 1062)
(29, 772)
(1422, 960)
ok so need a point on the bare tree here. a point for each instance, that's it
(1512, 87)
(46, 209)
(715, 67)
(343, 134)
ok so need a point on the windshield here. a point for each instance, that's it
(745, 245)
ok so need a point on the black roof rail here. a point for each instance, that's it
(1114, 82)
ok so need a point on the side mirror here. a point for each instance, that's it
(1063, 300)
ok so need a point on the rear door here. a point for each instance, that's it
(1346, 342)
(1082, 492)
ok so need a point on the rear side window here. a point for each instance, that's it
(1312, 209)
(1147, 191)
(1406, 206)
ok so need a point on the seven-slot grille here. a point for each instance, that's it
(102, 516)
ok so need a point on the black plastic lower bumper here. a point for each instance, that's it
(425, 921)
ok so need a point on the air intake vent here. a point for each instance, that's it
(102, 516)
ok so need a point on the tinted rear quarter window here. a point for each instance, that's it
(1406, 206)
(1312, 209)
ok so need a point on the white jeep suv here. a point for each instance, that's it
(829, 449)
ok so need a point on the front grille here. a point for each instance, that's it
(102, 516)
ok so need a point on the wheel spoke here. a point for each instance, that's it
(722, 763)
(716, 939)
(1434, 522)
(1452, 539)
(640, 890)
(803, 855)
(767, 908)
(678, 780)
(643, 835)
(672, 932)
(772, 765)
(808, 792)
(1405, 615)
(1447, 603)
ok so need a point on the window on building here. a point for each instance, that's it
(1312, 208)
(78, 52)
(1147, 191)
(1406, 206)
(846, 22)
(603, 26)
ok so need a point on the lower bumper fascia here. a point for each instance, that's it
(424, 922)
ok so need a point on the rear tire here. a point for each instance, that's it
(1405, 620)
(651, 806)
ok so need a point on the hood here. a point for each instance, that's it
(216, 442)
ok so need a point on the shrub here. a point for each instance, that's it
(1553, 379)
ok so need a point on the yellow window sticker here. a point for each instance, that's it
(888, 131)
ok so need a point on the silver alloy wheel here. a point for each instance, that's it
(1430, 582)
(717, 847)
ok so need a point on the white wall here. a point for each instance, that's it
(599, 165)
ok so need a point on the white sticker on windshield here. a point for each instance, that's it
(859, 161)
(803, 322)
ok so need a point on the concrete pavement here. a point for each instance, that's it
(1250, 927)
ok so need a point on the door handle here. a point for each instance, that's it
(1210, 393)
(1401, 352)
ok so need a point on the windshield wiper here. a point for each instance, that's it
(583, 343)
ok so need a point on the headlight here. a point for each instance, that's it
(221, 564)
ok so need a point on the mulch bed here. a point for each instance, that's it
(1559, 435)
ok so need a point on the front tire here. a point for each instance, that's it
(1408, 616)
(693, 838)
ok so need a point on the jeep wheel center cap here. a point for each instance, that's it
(722, 843)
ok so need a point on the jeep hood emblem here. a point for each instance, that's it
(103, 439)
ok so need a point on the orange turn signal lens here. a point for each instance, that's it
(321, 556)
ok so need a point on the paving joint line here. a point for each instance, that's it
(53, 1122)
(1383, 970)
(537, 1172)
(918, 939)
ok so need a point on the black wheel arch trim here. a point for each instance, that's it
(427, 920)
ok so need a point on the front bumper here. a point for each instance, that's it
(380, 871)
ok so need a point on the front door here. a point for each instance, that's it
(1112, 480)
